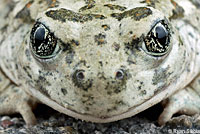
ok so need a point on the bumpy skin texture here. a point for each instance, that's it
(102, 68)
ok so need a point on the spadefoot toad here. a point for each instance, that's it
(99, 60)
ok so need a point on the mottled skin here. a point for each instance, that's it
(101, 69)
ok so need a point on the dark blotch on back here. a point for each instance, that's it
(64, 91)
(115, 7)
(100, 38)
(137, 13)
(89, 4)
(151, 3)
(106, 27)
(52, 3)
(116, 46)
(64, 14)
(68, 49)
(178, 12)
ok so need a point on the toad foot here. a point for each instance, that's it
(15, 100)
(184, 102)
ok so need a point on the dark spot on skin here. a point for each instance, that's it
(69, 58)
(89, 5)
(41, 78)
(28, 55)
(26, 70)
(64, 91)
(88, 99)
(116, 46)
(130, 60)
(120, 103)
(180, 41)
(42, 82)
(115, 7)
(4, 28)
(134, 44)
(160, 75)
(106, 27)
(64, 14)
(140, 84)
(83, 62)
(43, 90)
(1, 41)
(150, 3)
(178, 12)
(52, 3)
(74, 42)
(191, 34)
(143, 92)
(131, 32)
(101, 63)
(47, 73)
(100, 38)
(87, 108)
(16, 66)
(112, 109)
(137, 14)
(24, 14)
(120, 25)
(67, 48)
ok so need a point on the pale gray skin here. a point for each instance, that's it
(100, 45)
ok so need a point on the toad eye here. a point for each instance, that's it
(157, 41)
(43, 42)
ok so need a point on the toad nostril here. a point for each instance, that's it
(80, 75)
(120, 74)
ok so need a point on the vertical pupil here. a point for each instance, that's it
(161, 34)
(39, 36)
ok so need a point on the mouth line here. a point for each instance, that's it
(87, 117)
